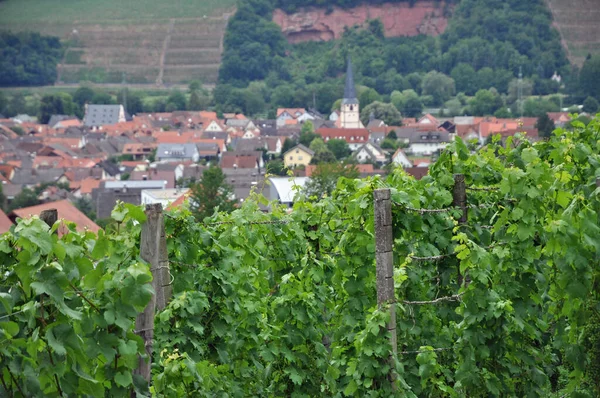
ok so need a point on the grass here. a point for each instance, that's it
(29, 13)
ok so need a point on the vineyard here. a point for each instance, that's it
(478, 280)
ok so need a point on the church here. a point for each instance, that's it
(350, 109)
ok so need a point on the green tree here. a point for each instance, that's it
(102, 98)
(368, 96)
(176, 101)
(407, 102)
(195, 102)
(392, 135)
(453, 107)
(132, 101)
(439, 86)
(503, 113)
(339, 148)
(26, 198)
(277, 167)
(210, 193)
(485, 102)
(55, 104)
(545, 125)
(589, 77)
(389, 144)
(380, 110)
(17, 105)
(86, 206)
(3, 102)
(288, 144)
(307, 134)
(590, 105)
(325, 177)
(83, 95)
(463, 75)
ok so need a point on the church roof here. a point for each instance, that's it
(349, 88)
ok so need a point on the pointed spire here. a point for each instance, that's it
(349, 88)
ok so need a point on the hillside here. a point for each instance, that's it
(161, 42)
(399, 19)
(577, 22)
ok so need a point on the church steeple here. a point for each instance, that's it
(349, 88)
(350, 112)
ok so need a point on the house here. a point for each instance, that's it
(428, 143)
(354, 137)
(105, 197)
(169, 172)
(428, 120)
(284, 115)
(163, 196)
(244, 180)
(559, 118)
(399, 158)
(84, 187)
(242, 160)
(208, 151)
(177, 152)
(370, 153)
(284, 189)
(215, 126)
(298, 156)
(66, 211)
(97, 116)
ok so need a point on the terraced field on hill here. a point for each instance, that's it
(577, 22)
(150, 42)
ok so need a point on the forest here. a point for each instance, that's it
(28, 59)
(485, 46)
(495, 294)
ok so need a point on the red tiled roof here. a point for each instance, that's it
(65, 209)
(5, 222)
(352, 136)
(291, 111)
(246, 160)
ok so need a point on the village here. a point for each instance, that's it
(110, 156)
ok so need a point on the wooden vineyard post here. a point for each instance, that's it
(153, 249)
(385, 267)
(49, 216)
(459, 199)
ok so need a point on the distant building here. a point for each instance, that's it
(177, 152)
(298, 156)
(350, 112)
(97, 116)
(284, 189)
(163, 196)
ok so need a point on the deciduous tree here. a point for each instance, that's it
(210, 193)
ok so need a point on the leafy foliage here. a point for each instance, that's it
(28, 59)
(211, 193)
(68, 310)
(284, 303)
(485, 44)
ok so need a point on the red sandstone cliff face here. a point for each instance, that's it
(399, 19)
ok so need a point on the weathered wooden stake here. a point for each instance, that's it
(459, 199)
(153, 249)
(459, 196)
(385, 267)
(49, 216)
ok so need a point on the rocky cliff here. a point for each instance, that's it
(399, 19)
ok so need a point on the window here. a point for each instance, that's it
(291, 158)
(297, 151)
(299, 157)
